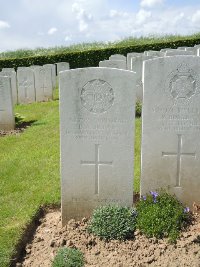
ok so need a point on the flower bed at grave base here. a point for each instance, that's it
(91, 58)
(140, 248)
(138, 251)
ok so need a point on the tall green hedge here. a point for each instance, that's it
(91, 58)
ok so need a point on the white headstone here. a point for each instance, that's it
(165, 49)
(7, 119)
(171, 127)
(26, 85)
(97, 113)
(43, 83)
(53, 74)
(61, 66)
(182, 48)
(117, 57)
(129, 57)
(118, 64)
(137, 64)
(177, 52)
(155, 53)
(10, 72)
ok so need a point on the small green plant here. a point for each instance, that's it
(18, 119)
(138, 109)
(68, 257)
(161, 215)
(112, 222)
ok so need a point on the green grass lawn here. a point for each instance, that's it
(29, 172)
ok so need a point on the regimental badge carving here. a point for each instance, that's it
(183, 83)
(97, 96)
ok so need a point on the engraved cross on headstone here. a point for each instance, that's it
(179, 154)
(96, 163)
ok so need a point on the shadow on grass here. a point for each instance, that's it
(20, 127)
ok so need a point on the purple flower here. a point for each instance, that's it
(154, 194)
(144, 198)
(186, 210)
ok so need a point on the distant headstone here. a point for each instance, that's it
(53, 74)
(117, 57)
(26, 85)
(7, 119)
(43, 83)
(129, 59)
(177, 52)
(137, 65)
(154, 53)
(192, 49)
(97, 113)
(165, 49)
(118, 64)
(10, 72)
(182, 48)
(61, 66)
(171, 127)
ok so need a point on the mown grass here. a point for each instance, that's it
(94, 45)
(29, 172)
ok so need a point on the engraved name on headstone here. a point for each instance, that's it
(97, 110)
(171, 127)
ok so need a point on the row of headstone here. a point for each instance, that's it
(34, 83)
(97, 111)
(115, 61)
(134, 62)
(28, 85)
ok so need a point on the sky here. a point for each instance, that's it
(50, 23)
